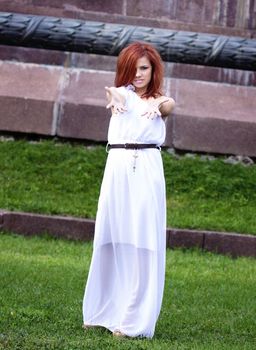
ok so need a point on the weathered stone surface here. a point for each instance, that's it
(28, 95)
(95, 62)
(210, 100)
(76, 6)
(57, 226)
(211, 74)
(185, 238)
(190, 11)
(214, 118)
(83, 113)
(87, 86)
(108, 63)
(173, 14)
(169, 141)
(26, 115)
(209, 9)
(31, 55)
(70, 102)
(214, 135)
(167, 237)
(83, 121)
(1, 219)
(29, 81)
(230, 244)
(200, 12)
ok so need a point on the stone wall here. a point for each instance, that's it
(224, 17)
(62, 94)
(70, 103)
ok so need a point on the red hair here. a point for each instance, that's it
(126, 67)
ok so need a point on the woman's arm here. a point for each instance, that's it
(166, 105)
(116, 101)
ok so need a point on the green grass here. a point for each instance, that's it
(62, 178)
(209, 300)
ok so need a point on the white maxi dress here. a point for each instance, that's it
(125, 284)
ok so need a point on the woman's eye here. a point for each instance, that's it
(144, 67)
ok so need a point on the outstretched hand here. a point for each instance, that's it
(115, 101)
(152, 110)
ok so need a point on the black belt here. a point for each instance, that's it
(133, 145)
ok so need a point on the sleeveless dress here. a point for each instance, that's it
(125, 283)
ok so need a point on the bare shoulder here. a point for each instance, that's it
(166, 105)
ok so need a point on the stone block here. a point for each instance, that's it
(57, 8)
(169, 141)
(83, 121)
(181, 238)
(1, 219)
(57, 226)
(211, 74)
(29, 81)
(28, 96)
(108, 63)
(208, 13)
(26, 115)
(147, 9)
(70, 102)
(190, 11)
(39, 56)
(167, 237)
(214, 118)
(110, 6)
(83, 113)
(93, 62)
(87, 86)
(212, 135)
(230, 244)
(231, 13)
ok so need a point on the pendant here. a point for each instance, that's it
(135, 156)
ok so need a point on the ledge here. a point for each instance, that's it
(70, 103)
(28, 224)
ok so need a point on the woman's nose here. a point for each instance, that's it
(137, 73)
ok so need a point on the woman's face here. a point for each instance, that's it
(143, 73)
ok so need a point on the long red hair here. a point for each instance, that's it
(126, 67)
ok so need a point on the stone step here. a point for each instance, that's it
(108, 63)
(232, 244)
(70, 103)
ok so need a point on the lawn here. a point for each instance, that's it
(53, 177)
(209, 300)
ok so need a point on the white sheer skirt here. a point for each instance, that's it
(126, 278)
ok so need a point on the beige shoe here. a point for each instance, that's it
(119, 334)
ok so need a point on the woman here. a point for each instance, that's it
(126, 279)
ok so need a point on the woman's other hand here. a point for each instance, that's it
(161, 106)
